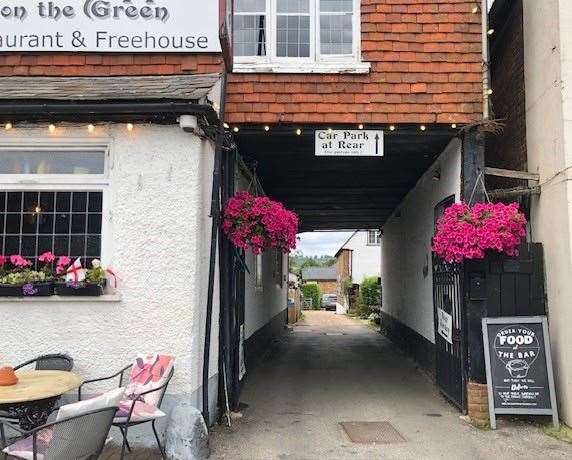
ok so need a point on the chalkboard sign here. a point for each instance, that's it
(519, 367)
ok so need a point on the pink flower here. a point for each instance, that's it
(465, 232)
(63, 261)
(47, 258)
(19, 261)
(2, 261)
(62, 264)
(258, 223)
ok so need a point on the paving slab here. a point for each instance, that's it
(312, 382)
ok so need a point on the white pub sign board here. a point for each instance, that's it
(349, 143)
(445, 325)
(129, 26)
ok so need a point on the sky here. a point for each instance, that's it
(321, 243)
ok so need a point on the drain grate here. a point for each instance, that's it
(372, 432)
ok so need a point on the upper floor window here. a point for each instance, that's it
(302, 31)
(374, 237)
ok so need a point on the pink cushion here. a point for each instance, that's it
(24, 448)
(141, 412)
(148, 373)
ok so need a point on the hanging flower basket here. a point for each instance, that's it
(467, 232)
(258, 223)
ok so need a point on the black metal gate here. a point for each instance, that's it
(450, 348)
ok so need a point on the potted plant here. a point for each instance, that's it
(18, 279)
(259, 223)
(469, 232)
(90, 282)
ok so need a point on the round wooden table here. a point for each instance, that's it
(33, 398)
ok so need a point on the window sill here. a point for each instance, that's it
(109, 298)
(265, 67)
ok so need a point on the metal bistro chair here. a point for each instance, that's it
(53, 362)
(124, 423)
(79, 437)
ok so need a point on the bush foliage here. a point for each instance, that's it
(369, 295)
(312, 291)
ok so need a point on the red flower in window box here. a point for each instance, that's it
(259, 223)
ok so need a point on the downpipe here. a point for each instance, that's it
(216, 216)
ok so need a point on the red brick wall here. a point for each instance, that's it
(328, 287)
(426, 67)
(74, 64)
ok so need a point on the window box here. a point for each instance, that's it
(82, 290)
(45, 289)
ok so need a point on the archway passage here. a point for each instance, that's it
(331, 193)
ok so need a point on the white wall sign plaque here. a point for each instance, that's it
(349, 143)
(445, 325)
(129, 26)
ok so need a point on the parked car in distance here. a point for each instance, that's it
(329, 301)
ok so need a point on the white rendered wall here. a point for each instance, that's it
(365, 257)
(157, 237)
(406, 272)
(263, 304)
(548, 78)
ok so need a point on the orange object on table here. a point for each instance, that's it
(7, 377)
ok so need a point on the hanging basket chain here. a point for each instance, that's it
(480, 180)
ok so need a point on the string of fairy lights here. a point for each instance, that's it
(361, 126)
(52, 128)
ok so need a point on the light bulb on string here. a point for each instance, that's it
(267, 128)
(360, 126)
(236, 129)
(392, 128)
(298, 131)
(8, 126)
(130, 126)
(423, 128)
(52, 128)
(91, 128)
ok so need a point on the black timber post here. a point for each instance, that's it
(473, 163)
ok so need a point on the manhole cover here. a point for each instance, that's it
(372, 432)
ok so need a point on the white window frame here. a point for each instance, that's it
(65, 182)
(272, 35)
(316, 63)
(377, 238)
(258, 273)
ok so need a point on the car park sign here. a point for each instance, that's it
(349, 143)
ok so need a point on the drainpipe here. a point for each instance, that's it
(215, 214)
(486, 59)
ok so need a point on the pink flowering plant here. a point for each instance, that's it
(16, 270)
(259, 223)
(467, 232)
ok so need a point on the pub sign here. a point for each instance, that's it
(519, 367)
(128, 26)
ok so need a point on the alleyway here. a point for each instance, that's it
(333, 369)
